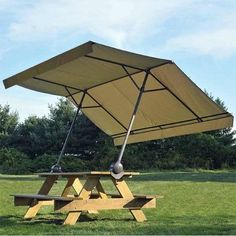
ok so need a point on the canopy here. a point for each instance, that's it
(106, 83)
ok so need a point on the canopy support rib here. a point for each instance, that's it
(117, 168)
(101, 106)
(117, 78)
(171, 125)
(70, 95)
(130, 76)
(57, 167)
(113, 62)
(124, 76)
(182, 102)
(87, 107)
(153, 90)
(55, 83)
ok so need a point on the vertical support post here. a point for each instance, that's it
(117, 168)
(57, 167)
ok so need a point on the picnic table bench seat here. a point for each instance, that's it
(26, 199)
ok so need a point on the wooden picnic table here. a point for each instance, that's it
(90, 196)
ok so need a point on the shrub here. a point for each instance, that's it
(68, 163)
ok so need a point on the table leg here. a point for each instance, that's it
(35, 205)
(125, 192)
(72, 218)
(102, 195)
(77, 186)
(85, 193)
(72, 182)
(101, 191)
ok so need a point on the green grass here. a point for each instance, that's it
(195, 202)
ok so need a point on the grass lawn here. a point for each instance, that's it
(197, 202)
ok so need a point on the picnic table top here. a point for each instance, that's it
(89, 173)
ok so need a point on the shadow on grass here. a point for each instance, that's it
(190, 225)
(188, 176)
(8, 220)
(53, 219)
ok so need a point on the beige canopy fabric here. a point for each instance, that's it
(106, 83)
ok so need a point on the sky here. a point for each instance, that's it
(198, 35)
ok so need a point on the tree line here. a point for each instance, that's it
(34, 145)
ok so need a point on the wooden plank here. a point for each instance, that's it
(47, 203)
(101, 194)
(85, 193)
(104, 204)
(34, 196)
(90, 173)
(125, 192)
(117, 195)
(32, 210)
(77, 185)
(88, 187)
(35, 206)
(47, 185)
(69, 184)
(26, 200)
(18, 201)
(139, 215)
(101, 191)
(72, 218)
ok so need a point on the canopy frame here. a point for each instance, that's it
(175, 124)
(84, 73)
(117, 167)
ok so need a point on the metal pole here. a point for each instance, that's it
(57, 167)
(117, 168)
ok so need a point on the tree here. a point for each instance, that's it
(85, 136)
(13, 162)
(32, 137)
(225, 136)
(8, 120)
(60, 118)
